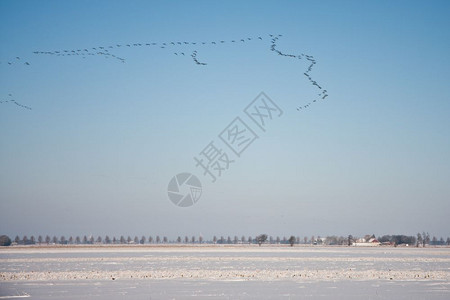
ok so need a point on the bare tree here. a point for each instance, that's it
(278, 240)
(55, 240)
(99, 240)
(85, 240)
(200, 239)
(350, 240)
(47, 239)
(419, 239)
(179, 239)
(193, 239)
(40, 239)
(305, 240)
(142, 241)
(165, 240)
(426, 238)
(5, 241)
(243, 239)
(150, 239)
(186, 239)
(236, 239)
(250, 240)
(158, 239)
(292, 240)
(136, 240)
(215, 239)
(261, 239)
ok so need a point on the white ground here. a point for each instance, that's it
(240, 272)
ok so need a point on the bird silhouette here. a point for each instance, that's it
(312, 61)
(273, 47)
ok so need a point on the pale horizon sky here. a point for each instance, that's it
(103, 138)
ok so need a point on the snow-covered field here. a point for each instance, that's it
(225, 272)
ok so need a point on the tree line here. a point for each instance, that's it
(422, 239)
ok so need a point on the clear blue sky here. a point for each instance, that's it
(103, 139)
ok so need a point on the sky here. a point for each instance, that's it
(99, 136)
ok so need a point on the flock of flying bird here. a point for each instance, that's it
(105, 51)
(194, 57)
(83, 53)
(324, 93)
(15, 61)
(11, 100)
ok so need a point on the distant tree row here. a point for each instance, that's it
(398, 239)
(420, 240)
